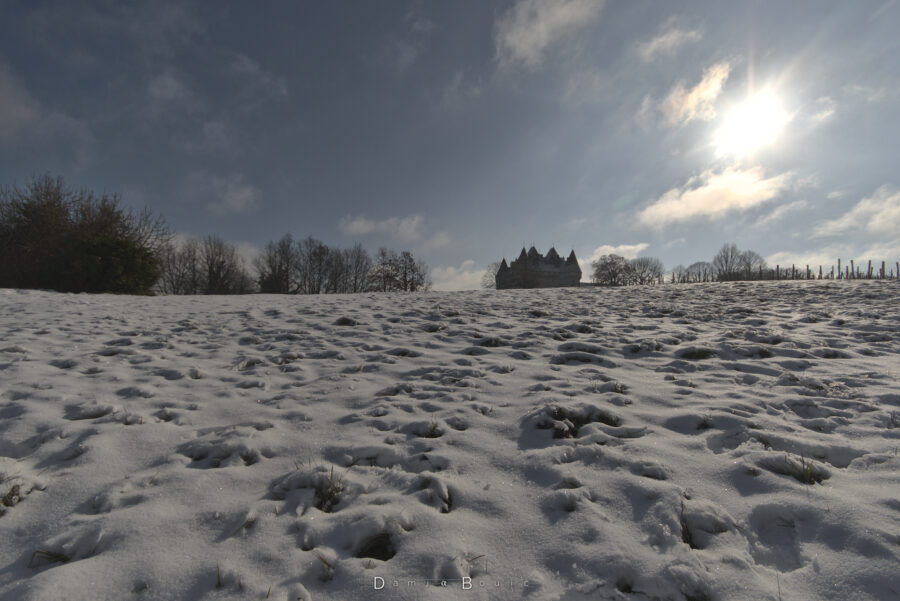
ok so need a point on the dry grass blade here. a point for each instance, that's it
(47, 556)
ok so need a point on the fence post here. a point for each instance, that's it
(839, 269)
(869, 271)
(882, 270)
(852, 273)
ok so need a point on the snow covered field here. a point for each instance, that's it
(710, 441)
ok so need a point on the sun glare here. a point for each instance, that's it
(754, 123)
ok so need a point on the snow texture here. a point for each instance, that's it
(722, 441)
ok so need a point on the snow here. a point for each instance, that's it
(709, 441)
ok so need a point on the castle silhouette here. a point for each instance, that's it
(533, 270)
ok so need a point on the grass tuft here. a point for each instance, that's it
(328, 492)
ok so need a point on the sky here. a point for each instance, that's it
(465, 130)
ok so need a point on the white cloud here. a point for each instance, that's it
(644, 115)
(24, 119)
(629, 251)
(530, 27)
(222, 195)
(877, 215)
(400, 51)
(459, 91)
(248, 252)
(780, 212)
(168, 91)
(666, 42)
(464, 277)
(828, 256)
(683, 105)
(406, 229)
(825, 108)
(437, 241)
(259, 83)
(713, 195)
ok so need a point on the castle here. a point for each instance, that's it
(533, 270)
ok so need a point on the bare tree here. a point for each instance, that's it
(612, 270)
(384, 271)
(727, 262)
(180, 268)
(312, 265)
(358, 265)
(222, 268)
(751, 265)
(489, 279)
(276, 267)
(646, 270)
(336, 272)
(700, 271)
(412, 273)
(398, 272)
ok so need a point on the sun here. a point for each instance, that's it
(754, 123)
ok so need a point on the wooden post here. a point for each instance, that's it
(897, 265)
(807, 271)
(846, 272)
(882, 270)
(793, 272)
(869, 271)
(832, 272)
(777, 272)
(839, 269)
(852, 274)
(820, 272)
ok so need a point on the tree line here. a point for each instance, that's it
(286, 266)
(53, 236)
(728, 265)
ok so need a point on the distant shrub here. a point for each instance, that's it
(55, 237)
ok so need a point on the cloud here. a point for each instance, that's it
(258, 83)
(222, 195)
(780, 212)
(459, 91)
(827, 257)
(877, 215)
(644, 115)
(825, 108)
(437, 241)
(24, 120)
(524, 32)
(157, 30)
(683, 105)
(406, 229)
(629, 251)
(666, 42)
(167, 91)
(713, 195)
(464, 277)
(401, 51)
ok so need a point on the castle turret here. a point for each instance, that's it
(553, 257)
(533, 270)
